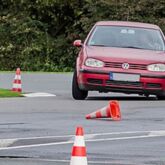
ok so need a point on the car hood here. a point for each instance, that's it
(125, 54)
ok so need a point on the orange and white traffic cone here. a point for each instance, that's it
(115, 110)
(79, 150)
(17, 86)
(110, 111)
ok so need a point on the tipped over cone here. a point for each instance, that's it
(78, 156)
(17, 86)
(110, 111)
(115, 110)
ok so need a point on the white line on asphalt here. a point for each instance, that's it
(36, 145)
(150, 135)
(40, 137)
(6, 142)
(124, 138)
(127, 132)
(157, 133)
(39, 94)
(87, 135)
(93, 162)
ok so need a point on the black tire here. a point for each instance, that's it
(77, 93)
(147, 95)
(161, 97)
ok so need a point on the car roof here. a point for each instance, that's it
(127, 23)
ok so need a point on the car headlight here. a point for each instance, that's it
(156, 67)
(94, 63)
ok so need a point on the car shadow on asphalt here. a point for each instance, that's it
(123, 98)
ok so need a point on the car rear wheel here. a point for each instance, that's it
(77, 93)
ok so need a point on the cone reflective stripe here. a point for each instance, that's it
(111, 111)
(79, 149)
(17, 87)
(103, 112)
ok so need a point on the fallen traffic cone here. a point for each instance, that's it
(79, 149)
(115, 110)
(111, 111)
(17, 87)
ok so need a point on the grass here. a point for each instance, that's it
(9, 93)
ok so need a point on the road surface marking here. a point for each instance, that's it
(151, 134)
(93, 162)
(87, 135)
(36, 145)
(6, 142)
(39, 94)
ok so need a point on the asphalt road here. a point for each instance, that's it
(40, 131)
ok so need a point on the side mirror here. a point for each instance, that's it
(77, 43)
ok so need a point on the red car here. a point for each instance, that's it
(116, 56)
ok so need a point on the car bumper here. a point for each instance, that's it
(100, 81)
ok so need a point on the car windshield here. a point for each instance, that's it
(127, 37)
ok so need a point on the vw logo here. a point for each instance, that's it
(125, 66)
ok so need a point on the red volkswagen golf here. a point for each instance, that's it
(127, 57)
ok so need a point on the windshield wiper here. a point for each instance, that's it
(98, 45)
(134, 47)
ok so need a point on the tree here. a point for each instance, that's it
(38, 35)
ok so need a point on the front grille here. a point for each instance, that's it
(94, 81)
(153, 85)
(131, 65)
(124, 83)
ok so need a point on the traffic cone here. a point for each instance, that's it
(115, 110)
(17, 87)
(111, 111)
(79, 150)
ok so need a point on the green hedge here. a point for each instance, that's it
(37, 35)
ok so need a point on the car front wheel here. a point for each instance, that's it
(77, 93)
(161, 97)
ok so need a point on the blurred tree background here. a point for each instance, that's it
(37, 35)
